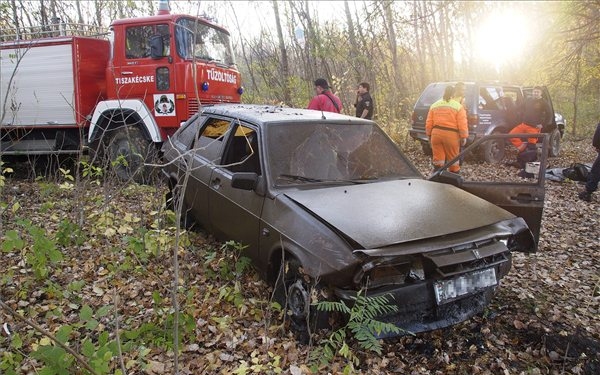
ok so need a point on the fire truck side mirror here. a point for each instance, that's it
(156, 47)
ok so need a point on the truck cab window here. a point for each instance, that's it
(137, 41)
(201, 41)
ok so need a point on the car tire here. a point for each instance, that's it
(293, 291)
(492, 151)
(426, 147)
(187, 220)
(129, 150)
(555, 138)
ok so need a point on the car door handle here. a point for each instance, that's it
(216, 183)
(524, 198)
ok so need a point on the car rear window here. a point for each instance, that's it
(431, 94)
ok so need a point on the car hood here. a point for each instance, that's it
(393, 212)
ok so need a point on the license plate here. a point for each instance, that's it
(448, 290)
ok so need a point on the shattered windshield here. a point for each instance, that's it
(202, 41)
(353, 153)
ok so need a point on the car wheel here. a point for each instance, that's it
(129, 151)
(293, 291)
(492, 151)
(555, 138)
(187, 220)
(426, 147)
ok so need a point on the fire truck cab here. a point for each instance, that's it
(120, 94)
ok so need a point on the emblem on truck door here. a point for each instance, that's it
(164, 105)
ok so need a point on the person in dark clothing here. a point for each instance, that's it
(364, 102)
(591, 185)
(537, 113)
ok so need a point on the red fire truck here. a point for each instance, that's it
(118, 94)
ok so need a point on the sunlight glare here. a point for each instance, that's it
(502, 38)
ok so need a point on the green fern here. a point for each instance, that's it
(362, 325)
(334, 306)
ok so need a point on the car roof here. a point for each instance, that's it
(263, 114)
(478, 83)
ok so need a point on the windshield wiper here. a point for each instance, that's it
(294, 177)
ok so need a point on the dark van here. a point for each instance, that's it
(492, 108)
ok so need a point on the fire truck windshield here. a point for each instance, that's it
(195, 39)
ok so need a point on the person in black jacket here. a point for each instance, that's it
(593, 178)
(364, 102)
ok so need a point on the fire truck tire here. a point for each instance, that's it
(129, 151)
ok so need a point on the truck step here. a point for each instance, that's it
(32, 147)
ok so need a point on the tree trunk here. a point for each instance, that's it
(576, 91)
(98, 7)
(79, 14)
(53, 11)
(353, 52)
(27, 14)
(311, 42)
(419, 43)
(44, 16)
(244, 53)
(15, 19)
(285, 70)
(392, 41)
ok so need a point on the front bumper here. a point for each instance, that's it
(418, 135)
(419, 312)
(418, 309)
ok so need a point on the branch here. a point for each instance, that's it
(30, 323)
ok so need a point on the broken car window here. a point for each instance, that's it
(334, 152)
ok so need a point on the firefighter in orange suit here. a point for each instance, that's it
(446, 128)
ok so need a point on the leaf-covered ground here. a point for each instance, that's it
(93, 266)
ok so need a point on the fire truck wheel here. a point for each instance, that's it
(129, 151)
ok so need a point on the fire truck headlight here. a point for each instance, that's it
(240, 90)
(204, 86)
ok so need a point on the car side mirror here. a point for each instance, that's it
(156, 47)
(447, 177)
(244, 180)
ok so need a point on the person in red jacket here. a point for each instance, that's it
(325, 100)
(446, 127)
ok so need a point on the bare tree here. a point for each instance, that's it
(79, 14)
(396, 75)
(285, 70)
(43, 14)
(353, 50)
(15, 18)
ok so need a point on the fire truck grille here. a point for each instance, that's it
(192, 107)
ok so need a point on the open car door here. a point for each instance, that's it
(518, 190)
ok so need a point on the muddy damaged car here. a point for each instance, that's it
(329, 202)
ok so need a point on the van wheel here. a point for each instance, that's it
(555, 138)
(426, 148)
(493, 150)
(129, 151)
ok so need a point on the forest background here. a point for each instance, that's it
(397, 46)
(542, 322)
